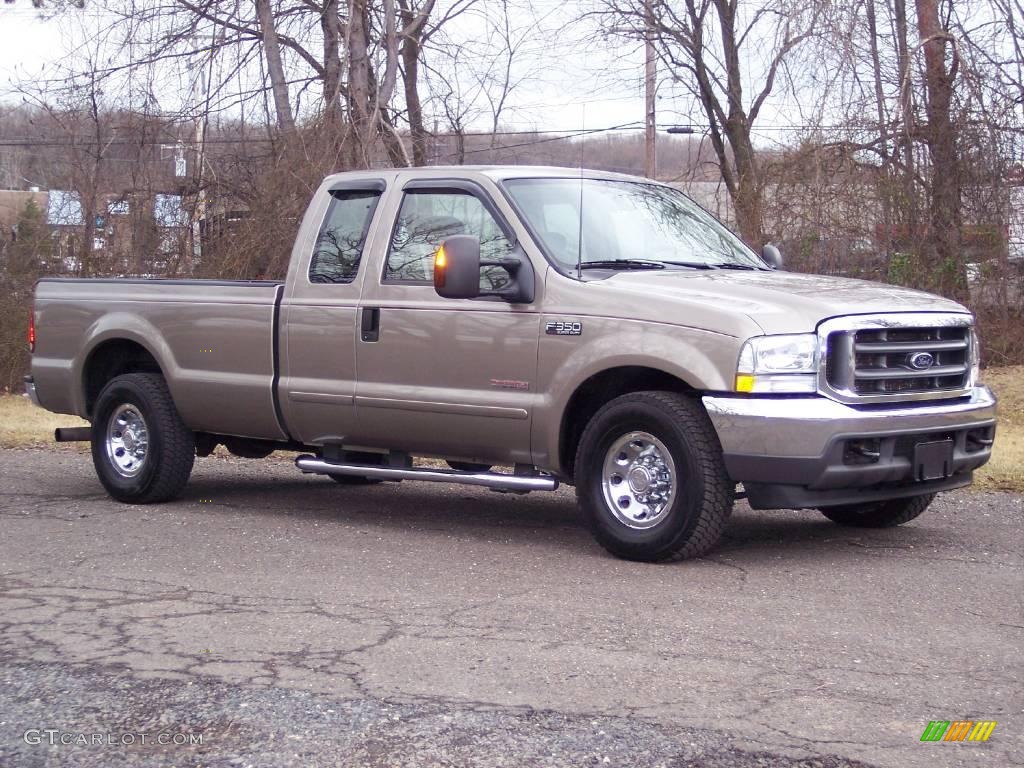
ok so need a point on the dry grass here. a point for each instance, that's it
(1006, 469)
(23, 425)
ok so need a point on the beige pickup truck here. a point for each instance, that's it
(560, 326)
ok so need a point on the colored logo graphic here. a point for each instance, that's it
(958, 730)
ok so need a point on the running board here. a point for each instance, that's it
(493, 480)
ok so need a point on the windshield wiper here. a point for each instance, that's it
(692, 264)
(736, 265)
(622, 264)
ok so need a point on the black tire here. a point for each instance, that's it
(879, 514)
(171, 449)
(358, 457)
(693, 522)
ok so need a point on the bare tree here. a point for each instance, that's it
(715, 48)
(473, 80)
(272, 52)
(944, 232)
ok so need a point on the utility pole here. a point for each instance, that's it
(200, 141)
(200, 214)
(650, 86)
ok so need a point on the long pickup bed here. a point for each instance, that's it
(216, 339)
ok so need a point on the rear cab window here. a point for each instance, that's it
(339, 243)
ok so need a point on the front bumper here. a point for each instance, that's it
(30, 390)
(798, 452)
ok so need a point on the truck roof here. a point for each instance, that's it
(495, 172)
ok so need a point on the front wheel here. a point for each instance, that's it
(879, 514)
(650, 478)
(142, 451)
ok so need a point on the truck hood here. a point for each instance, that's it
(778, 302)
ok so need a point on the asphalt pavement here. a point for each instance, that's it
(270, 618)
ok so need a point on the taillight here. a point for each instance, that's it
(32, 330)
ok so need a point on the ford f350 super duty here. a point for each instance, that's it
(570, 326)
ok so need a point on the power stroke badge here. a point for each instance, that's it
(564, 328)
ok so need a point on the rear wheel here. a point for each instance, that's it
(650, 478)
(142, 450)
(879, 514)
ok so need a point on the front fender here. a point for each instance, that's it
(703, 360)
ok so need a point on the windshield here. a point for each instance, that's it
(625, 225)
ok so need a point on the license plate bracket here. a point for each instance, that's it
(933, 460)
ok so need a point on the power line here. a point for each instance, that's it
(548, 135)
(545, 136)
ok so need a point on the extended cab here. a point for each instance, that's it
(579, 327)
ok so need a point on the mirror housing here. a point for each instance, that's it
(457, 266)
(771, 256)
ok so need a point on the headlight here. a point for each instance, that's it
(778, 364)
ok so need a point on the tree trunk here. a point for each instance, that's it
(410, 79)
(944, 230)
(748, 199)
(412, 46)
(330, 25)
(883, 131)
(907, 113)
(359, 83)
(272, 52)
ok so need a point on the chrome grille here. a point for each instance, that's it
(884, 360)
(896, 357)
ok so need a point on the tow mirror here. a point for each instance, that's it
(457, 266)
(771, 256)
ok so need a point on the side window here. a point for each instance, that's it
(339, 245)
(426, 219)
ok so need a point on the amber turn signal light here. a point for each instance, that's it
(440, 265)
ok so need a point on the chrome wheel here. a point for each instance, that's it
(639, 479)
(127, 440)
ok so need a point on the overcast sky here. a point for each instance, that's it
(591, 86)
(560, 100)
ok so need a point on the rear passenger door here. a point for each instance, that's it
(319, 317)
(442, 376)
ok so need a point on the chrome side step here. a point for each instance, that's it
(494, 480)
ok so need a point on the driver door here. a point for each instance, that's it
(449, 377)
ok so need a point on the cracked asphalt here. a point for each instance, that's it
(288, 620)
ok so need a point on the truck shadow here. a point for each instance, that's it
(550, 520)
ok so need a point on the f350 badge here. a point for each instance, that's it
(564, 328)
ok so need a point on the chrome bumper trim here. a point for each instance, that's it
(804, 426)
(30, 390)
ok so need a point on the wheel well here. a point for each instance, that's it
(598, 390)
(111, 359)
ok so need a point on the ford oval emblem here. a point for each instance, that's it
(921, 361)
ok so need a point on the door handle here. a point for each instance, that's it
(369, 324)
